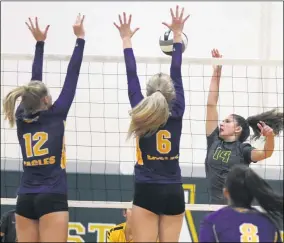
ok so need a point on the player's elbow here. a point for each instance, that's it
(268, 154)
(258, 155)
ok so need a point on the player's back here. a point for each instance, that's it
(158, 155)
(237, 225)
(41, 137)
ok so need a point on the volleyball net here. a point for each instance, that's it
(101, 162)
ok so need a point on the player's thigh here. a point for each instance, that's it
(27, 229)
(147, 206)
(173, 214)
(145, 225)
(53, 215)
(170, 227)
(27, 226)
(53, 227)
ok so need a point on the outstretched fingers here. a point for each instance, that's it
(124, 25)
(186, 18)
(177, 11)
(129, 19)
(116, 25)
(120, 20)
(215, 53)
(172, 13)
(135, 31)
(82, 20)
(46, 29)
(124, 18)
(36, 23)
(167, 25)
(31, 24)
(181, 14)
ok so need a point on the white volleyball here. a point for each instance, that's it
(166, 42)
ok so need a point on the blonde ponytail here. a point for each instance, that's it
(31, 99)
(9, 104)
(151, 113)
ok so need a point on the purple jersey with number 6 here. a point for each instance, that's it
(158, 155)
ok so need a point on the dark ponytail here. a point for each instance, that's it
(272, 118)
(244, 185)
(269, 200)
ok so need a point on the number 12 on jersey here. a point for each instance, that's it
(36, 150)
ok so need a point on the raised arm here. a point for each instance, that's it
(38, 62)
(65, 99)
(178, 105)
(40, 37)
(213, 96)
(134, 89)
(268, 148)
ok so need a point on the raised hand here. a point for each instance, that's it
(177, 21)
(124, 28)
(78, 27)
(38, 34)
(265, 130)
(215, 54)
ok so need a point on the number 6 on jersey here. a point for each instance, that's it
(164, 145)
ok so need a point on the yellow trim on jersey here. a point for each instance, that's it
(30, 120)
(117, 234)
(63, 153)
(138, 152)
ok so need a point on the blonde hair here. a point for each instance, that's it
(153, 111)
(31, 95)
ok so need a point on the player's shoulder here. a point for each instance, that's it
(216, 215)
(214, 135)
(117, 228)
(244, 145)
(264, 217)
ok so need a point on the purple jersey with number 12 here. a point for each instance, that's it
(41, 135)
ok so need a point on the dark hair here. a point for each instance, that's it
(272, 118)
(244, 185)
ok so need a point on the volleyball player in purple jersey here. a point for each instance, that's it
(156, 122)
(225, 142)
(42, 207)
(239, 222)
